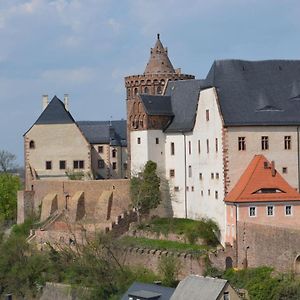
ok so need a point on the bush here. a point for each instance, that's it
(169, 267)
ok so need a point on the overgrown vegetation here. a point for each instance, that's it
(24, 269)
(169, 267)
(162, 244)
(9, 185)
(75, 175)
(144, 189)
(192, 230)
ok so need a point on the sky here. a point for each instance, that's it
(85, 48)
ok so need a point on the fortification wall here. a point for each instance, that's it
(265, 245)
(150, 259)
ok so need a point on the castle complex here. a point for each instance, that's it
(211, 139)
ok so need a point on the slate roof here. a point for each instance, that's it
(144, 290)
(258, 176)
(55, 113)
(104, 132)
(196, 287)
(257, 92)
(157, 105)
(184, 101)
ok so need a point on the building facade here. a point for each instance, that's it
(209, 131)
(57, 147)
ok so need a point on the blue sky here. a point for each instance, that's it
(86, 47)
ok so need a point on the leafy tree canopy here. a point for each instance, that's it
(9, 185)
(144, 188)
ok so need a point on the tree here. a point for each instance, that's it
(6, 160)
(144, 189)
(9, 185)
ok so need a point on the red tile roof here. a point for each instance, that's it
(258, 176)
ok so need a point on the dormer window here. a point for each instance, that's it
(268, 191)
(32, 144)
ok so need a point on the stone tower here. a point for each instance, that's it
(159, 70)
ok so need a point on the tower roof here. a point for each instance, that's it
(260, 183)
(159, 61)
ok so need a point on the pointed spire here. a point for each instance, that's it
(159, 61)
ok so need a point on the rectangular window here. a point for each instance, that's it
(199, 147)
(62, 164)
(212, 175)
(207, 114)
(172, 173)
(190, 171)
(217, 175)
(138, 140)
(288, 210)
(78, 164)
(190, 147)
(48, 165)
(114, 165)
(207, 145)
(125, 166)
(252, 211)
(287, 142)
(216, 195)
(176, 188)
(172, 148)
(242, 143)
(208, 192)
(192, 188)
(114, 153)
(270, 210)
(200, 176)
(100, 149)
(264, 143)
(217, 146)
(201, 193)
(226, 296)
(156, 141)
(284, 170)
(100, 163)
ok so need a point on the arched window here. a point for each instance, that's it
(135, 91)
(114, 153)
(159, 90)
(146, 90)
(128, 92)
(31, 144)
(140, 107)
(141, 123)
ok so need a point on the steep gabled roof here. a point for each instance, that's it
(157, 105)
(159, 61)
(195, 287)
(184, 101)
(55, 113)
(258, 184)
(257, 92)
(104, 132)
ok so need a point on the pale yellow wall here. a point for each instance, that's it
(55, 142)
(239, 160)
(108, 171)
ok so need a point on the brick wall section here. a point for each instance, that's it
(268, 245)
(218, 258)
(150, 258)
(25, 205)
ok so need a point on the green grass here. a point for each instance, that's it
(162, 245)
(192, 230)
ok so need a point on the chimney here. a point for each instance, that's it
(66, 101)
(45, 101)
(273, 171)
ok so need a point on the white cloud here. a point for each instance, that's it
(75, 76)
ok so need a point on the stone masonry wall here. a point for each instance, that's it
(268, 246)
(150, 258)
(92, 191)
(25, 205)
